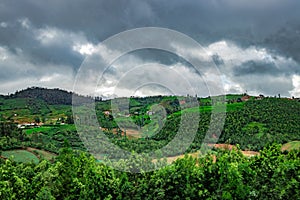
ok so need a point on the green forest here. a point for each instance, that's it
(76, 175)
(255, 156)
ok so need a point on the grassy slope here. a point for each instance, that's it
(20, 156)
(51, 128)
(228, 108)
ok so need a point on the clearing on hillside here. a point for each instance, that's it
(290, 146)
(20, 156)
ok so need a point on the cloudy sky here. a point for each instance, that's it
(255, 45)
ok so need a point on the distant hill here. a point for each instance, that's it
(50, 96)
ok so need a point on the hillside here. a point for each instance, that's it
(49, 160)
(252, 124)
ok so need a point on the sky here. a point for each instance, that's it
(254, 45)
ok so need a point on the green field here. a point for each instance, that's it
(20, 156)
(217, 108)
(37, 130)
(51, 129)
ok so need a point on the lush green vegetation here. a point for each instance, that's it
(50, 96)
(74, 174)
(38, 129)
(252, 124)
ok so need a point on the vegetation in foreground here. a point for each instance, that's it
(76, 175)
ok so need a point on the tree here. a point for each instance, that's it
(37, 120)
(69, 119)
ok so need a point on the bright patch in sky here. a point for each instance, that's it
(296, 83)
(85, 49)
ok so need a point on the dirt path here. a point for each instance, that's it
(46, 154)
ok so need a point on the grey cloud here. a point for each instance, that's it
(286, 40)
(206, 21)
(271, 24)
(16, 37)
(268, 85)
(256, 67)
(217, 59)
(262, 67)
(101, 18)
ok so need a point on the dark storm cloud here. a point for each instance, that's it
(271, 24)
(98, 19)
(256, 67)
(286, 40)
(16, 36)
(207, 20)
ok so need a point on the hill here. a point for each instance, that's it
(50, 96)
(252, 124)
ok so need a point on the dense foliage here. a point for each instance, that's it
(76, 175)
(262, 122)
(252, 125)
(256, 124)
(50, 138)
(50, 96)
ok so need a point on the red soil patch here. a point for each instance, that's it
(223, 146)
(285, 148)
(130, 133)
(2, 157)
(250, 153)
(133, 133)
(290, 145)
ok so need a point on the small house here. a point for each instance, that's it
(245, 98)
